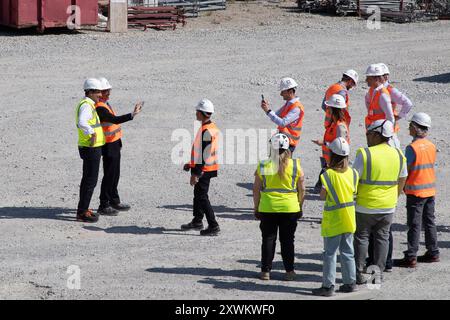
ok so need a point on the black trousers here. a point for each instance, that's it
(323, 166)
(91, 165)
(420, 211)
(111, 175)
(286, 223)
(202, 206)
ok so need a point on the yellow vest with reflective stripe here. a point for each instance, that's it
(84, 140)
(378, 186)
(279, 194)
(339, 209)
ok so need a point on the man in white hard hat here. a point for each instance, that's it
(420, 190)
(204, 165)
(110, 203)
(288, 118)
(401, 104)
(378, 99)
(90, 142)
(382, 171)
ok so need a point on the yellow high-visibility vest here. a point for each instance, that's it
(279, 194)
(339, 210)
(84, 140)
(378, 186)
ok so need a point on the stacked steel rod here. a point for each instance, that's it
(193, 7)
(160, 18)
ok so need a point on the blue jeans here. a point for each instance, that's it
(343, 242)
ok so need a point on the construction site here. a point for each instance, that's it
(170, 54)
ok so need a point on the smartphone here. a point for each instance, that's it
(262, 97)
(142, 104)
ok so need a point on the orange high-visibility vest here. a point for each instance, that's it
(375, 112)
(334, 89)
(330, 135)
(113, 132)
(210, 155)
(394, 108)
(421, 181)
(294, 129)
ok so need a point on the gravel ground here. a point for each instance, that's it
(231, 57)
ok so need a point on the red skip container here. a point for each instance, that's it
(46, 13)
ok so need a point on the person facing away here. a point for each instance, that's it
(110, 203)
(339, 183)
(278, 194)
(203, 166)
(288, 118)
(420, 190)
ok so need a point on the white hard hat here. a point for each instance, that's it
(385, 127)
(205, 105)
(279, 141)
(105, 84)
(422, 119)
(336, 101)
(352, 74)
(92, 84)
(287, 83)
(374, 70)
(340, 147)
(384, 68)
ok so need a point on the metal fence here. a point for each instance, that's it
(193, 7)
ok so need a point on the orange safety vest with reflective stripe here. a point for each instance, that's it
(334, 89)
(294, 129)
(394, 109)
(210, 155)
(375, 112)
(113, 132)
(421, 181)
(330, 135)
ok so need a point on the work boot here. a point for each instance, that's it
(264, 275)
(214, 231)
(290, 276)
(87, 216)
(108, 211)
(406, 262)
(324, 292)
(192, 226)
(347, 288)
(428, 258)
(121, 206)
(360, 278)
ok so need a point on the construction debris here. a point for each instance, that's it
(160, 18)
(193, 7)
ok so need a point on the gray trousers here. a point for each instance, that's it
(420, 213)
(378, 225)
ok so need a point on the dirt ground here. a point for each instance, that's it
(230, 57)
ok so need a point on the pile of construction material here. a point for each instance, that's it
(390, 10)
(193, 7)
(160, 18)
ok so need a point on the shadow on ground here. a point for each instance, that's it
(140, 230)
(404, 228)
(13, 32)
(64, 214)
(221, 211)
(439, 78)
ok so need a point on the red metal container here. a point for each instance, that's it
(45, 13)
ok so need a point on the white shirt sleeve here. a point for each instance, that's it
(386, 106)
(342, 131)
(358, 164)
(402, 101)
(292, 116)
(85, 114)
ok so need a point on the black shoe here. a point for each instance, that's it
(360, 278)
(428, 258)
(192, 226)
(108, 211)
(87, 216)
(121, 206)
(324, 292)
(214, 231)
(348, 288)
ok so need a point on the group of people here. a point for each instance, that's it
(359, 200)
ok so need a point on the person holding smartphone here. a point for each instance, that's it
(110, 203)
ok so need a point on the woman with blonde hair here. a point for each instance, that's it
(278, 193)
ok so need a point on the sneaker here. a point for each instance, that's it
(214, 231)
(264, 275)
(388, 269)
(348, 288)
(121, 206)
(192, 226)
(108, 211)
(428, 258)
(290, 276)
(87, 216)
(324, 292)
(360, 278)
(406, 262)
